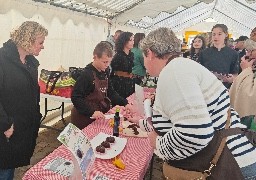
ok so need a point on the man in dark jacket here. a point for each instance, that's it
(239, 47)
(19, 97)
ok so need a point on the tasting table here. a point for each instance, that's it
(136, 156)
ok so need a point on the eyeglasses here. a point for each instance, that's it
(250, 51)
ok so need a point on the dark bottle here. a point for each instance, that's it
(116, 123)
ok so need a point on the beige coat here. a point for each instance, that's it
(243, 93)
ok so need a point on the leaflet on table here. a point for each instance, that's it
(60, 166)
(79, 145)
(100, 177)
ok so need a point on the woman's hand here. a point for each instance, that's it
(245, 63)
(9, 132)
(129, 109)
(98, 115)
(152, 138)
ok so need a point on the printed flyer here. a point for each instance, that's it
(82, 153)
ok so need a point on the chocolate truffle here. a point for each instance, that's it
(110, 139)
(134, 128)
(100, 149)
(105, 144)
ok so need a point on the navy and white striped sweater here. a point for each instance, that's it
(190, 105)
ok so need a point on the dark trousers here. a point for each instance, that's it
(6, 174)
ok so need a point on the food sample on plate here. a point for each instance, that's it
(133, 125)
(115, 148)
(132, 129)
(110, 139)
(105, 144)
(100, 149)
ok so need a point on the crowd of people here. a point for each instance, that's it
(200, 95)
(191, 105)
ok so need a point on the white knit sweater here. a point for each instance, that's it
(190, 104)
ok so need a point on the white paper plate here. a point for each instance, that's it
(109, 116)
(115, 148)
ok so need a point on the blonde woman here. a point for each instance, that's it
(19, 97)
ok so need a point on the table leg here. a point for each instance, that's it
(46, 110)
(62, 114)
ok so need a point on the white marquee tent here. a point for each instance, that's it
(76, 26)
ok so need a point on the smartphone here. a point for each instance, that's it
(247, 57)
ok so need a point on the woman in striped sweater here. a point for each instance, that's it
(190, 105)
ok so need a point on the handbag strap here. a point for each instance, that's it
(220, 149)
(223, 142)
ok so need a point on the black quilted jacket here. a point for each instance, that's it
(19, 105)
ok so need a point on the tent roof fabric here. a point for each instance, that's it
(238, 15)
(101, 8)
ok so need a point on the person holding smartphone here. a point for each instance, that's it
(220, 59)
(191, 106)
(243, 90)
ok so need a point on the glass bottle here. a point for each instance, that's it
(116, 123)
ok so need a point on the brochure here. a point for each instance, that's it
(79, 145)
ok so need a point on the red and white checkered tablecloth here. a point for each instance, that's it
(136, 157)
(149, 90)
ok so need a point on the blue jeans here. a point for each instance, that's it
(6, 174)
(249, 172)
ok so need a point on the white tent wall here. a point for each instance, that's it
(117, 26)
(72, 35)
